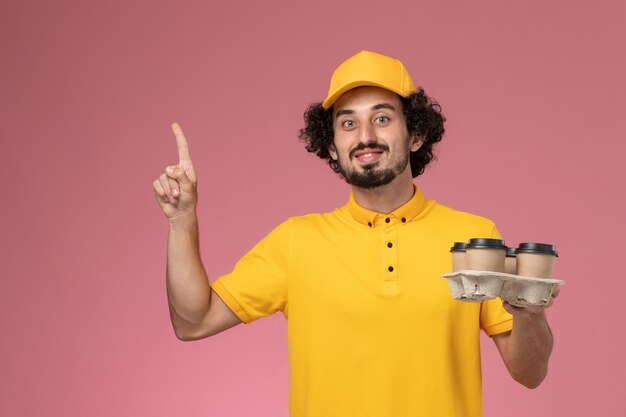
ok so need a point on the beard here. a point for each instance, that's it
(371, 177)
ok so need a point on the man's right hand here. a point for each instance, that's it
(175, 189)
(194, 312)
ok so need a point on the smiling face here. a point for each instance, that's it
(371, 144)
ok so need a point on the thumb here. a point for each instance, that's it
(178, 174)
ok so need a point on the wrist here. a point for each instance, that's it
(183, 222)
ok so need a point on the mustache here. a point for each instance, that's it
(369, 145)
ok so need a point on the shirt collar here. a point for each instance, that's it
(405, 213)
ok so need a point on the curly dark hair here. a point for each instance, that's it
(423, 118)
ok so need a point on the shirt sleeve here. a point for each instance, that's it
(257, 286)
(494, 319)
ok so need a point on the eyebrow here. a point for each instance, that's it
(374, 108)
(384, 106)
(342, 112)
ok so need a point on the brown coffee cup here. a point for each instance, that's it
(459, 261)
(536, 259)
(510, 262)
(485, 254)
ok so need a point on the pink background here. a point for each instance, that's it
(535, 97)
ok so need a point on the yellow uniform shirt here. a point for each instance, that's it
(372, 328)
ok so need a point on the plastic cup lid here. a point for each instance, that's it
(458, 247)
(484, 243)
(532, 247)
(510, 252)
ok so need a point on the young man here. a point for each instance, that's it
(372, 327)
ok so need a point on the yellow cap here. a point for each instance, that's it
(369, 68)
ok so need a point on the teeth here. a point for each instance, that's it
(367, 155)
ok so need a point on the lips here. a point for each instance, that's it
(367, 155)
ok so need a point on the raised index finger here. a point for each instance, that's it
(181, 142)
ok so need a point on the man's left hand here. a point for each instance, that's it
(531, 309)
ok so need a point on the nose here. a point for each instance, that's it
(366, 133)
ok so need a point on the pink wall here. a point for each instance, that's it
(534, 94)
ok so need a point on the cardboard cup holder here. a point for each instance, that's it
(517, 290)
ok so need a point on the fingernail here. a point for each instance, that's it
(170, 170)
(175, 192)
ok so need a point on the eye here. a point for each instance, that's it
(348, 124)
(381, 120)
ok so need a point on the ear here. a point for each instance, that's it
(332, 151)
(416, 143)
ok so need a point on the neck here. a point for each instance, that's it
(386, 198)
